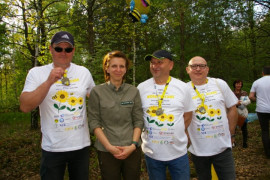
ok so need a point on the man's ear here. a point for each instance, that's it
(187, 69)
(172, 64)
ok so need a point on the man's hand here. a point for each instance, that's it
(56, 74)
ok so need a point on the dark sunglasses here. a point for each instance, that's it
(67, 50)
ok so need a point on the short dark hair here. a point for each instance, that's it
(237, 81)
(266, 70)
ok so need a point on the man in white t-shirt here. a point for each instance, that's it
(260, 93)
(212, 128)
(60, 90)
(167, 110)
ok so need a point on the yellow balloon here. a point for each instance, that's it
(213, 172)
(140, 7)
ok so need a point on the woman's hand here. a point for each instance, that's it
(114, 150)
(125, 151)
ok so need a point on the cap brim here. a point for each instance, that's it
(149, 57)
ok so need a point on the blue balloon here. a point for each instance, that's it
(132, 5)
(144, 16)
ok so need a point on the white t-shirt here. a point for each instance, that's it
(63, 118)
(164, 136)
(209, 132)
(261, 87)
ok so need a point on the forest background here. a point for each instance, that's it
(233, 36)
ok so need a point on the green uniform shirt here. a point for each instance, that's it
(116, 112)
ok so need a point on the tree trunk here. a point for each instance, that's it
(182, 63)
(90, 28)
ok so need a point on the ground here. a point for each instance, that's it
(20, 153)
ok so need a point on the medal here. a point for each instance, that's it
(202, 110)
(159, 111)
(65, 81)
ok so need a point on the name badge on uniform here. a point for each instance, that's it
(127, 102)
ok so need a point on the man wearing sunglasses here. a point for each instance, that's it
(60, 90)
(211, 130)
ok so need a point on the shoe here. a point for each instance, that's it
(245, 145)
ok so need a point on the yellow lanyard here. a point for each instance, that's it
(65, 73)
(201, 96)
(163, 93)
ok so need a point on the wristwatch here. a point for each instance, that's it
(135, 143)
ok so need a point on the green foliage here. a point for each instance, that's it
(230, 35)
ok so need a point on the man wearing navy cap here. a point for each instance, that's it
(167, 107)
(60, 90)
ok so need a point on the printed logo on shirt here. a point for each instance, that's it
(159, 120)
(67, 101)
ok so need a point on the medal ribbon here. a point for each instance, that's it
(163, 93)
(201, 96)
(65, 80)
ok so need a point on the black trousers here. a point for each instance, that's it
(264, 119)
(113, 169)
(244, 133)
(53, 164)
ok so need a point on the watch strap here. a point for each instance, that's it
(135, 143)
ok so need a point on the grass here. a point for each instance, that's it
(20, 152)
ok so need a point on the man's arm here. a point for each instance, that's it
(252, 96)
(232, 115)
(187, 119)
(30, 100)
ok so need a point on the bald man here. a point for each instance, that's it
(212, 128)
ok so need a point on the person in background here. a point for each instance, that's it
(116, 118)
(212, 129)
(167, 110)
(60, 90)
(243, 101)
(260, 93)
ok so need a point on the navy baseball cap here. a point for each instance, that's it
(159, 54)
(62, 36)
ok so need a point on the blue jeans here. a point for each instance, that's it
(53, 164)
(264, 119)
(223, 164)
(178, 168)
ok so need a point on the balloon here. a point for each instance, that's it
(139, 10)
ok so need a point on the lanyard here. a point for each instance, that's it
(201, 96)
(163, 93)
